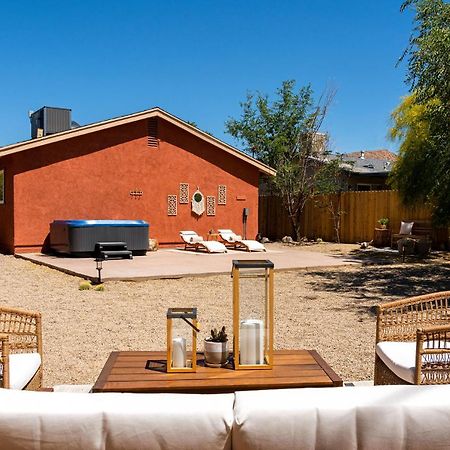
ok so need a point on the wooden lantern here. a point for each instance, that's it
(253, 301)
(179, 358)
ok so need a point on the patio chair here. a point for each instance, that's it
(413, 341)
(20, 349)
(192, 241)
(233, 240)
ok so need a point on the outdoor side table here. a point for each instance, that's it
(381, 237)
(213, 237)
(138, 372)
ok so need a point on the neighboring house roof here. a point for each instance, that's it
(370, 162)
(154, 112)
(369, 166)
(382, 154)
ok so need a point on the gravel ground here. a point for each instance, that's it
(330, 310)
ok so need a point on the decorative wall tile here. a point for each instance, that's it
(222, 195)
(210, 205)
(171, 205)
(184, 193)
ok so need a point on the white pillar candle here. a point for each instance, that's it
(178, 352)
(251, 342)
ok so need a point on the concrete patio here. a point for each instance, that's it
(177, 263)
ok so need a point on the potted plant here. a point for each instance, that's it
(383, 222)
(216, 348)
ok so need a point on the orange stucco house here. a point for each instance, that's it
(143, 166)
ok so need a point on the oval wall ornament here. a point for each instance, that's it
(198, 203)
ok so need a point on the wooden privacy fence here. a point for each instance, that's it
(361, 213)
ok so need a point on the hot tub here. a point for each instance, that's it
(78, 237)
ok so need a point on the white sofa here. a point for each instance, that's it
(380, 417)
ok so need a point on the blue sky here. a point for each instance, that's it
(197, 60)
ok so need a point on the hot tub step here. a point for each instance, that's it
(111, 246)
(116, 254)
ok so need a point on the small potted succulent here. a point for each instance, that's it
(216, 348)
(383, 222)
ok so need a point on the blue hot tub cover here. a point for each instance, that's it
(101, 223)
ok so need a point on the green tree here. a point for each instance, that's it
(332, 182)
(422, 121)
(284, 134)
(413, 174)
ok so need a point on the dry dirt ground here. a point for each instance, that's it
(330, 310)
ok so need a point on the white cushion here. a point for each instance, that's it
(214, 246)
(228, 235)
(190, 237)
(55, 420)
(399, 357)
(22, 368)
(406, 227)
(370, 418)
(253, 246)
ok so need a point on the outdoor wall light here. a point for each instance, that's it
(182, 329)
(253, 302)
(99, 267)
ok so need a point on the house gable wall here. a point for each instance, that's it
(92, 176)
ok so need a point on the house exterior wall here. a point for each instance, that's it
(7, 212)
(374, 183)
(91, 177)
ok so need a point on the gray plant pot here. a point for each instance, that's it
(216, 353)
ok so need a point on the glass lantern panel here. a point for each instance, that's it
(181, 344)
(253, 323)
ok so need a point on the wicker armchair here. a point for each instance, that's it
(422, 323)
(20, 337)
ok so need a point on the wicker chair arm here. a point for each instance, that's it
(4, 360)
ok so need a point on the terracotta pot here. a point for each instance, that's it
(216, 352)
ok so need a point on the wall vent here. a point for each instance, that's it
(152, 125)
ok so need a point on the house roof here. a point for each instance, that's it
(122, 120)
(382, 154)
(368, 166)
(370, 162)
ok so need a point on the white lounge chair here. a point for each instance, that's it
(233, 240)
(192, 241)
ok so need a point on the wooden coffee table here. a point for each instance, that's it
(132, 372)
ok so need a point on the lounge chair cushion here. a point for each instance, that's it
(229, 236)
(214, 246)
(191, 237)
(253, 246)
(195, 239)
(22, 368)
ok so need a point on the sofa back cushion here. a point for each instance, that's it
(379, 417)
(52, 420)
